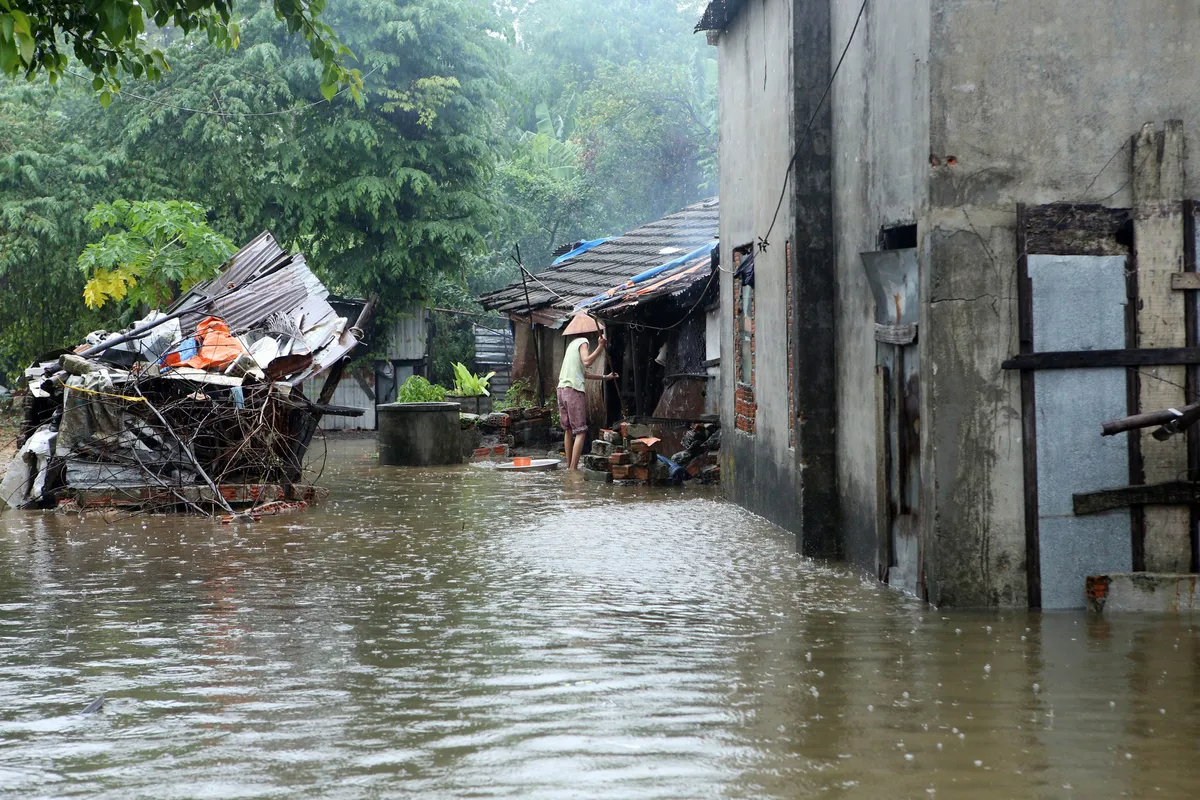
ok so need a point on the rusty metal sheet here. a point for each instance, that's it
(892, 275)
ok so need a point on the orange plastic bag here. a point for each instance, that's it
(216, 346)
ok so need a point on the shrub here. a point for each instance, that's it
(418, 390)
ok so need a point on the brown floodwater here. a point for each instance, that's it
(463, 632)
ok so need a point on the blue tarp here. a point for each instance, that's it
(699, 252)
(702, 250)
(582, 248)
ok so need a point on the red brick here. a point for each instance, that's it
(618, 458)
(621, 472)
(638, 473)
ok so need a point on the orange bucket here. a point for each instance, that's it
(522, 461)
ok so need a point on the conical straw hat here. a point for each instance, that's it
(581, 323)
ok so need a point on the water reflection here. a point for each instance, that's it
(462, 632)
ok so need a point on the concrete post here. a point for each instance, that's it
(1158, 180)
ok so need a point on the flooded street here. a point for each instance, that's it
(467, 633)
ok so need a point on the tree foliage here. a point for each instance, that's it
(381, 196)
(154, 250)
(111, 38)
(480, 127)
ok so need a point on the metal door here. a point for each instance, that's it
(892, 275)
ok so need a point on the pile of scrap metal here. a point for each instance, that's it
(196, 408)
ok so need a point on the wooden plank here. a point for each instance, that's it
(1170, 493)
(1184, 281)
(1084, 359)
(1033, 557)
(1191, 313)
(1133, 394)
(895, 334)
(1075, 229)
(1157, 164)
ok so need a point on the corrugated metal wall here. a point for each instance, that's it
(494, 353)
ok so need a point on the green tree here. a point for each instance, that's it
(111, 38)
(49, 177)
(381, 196)
(154, 251)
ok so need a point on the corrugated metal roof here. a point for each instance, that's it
(266, 280)
(612, 263)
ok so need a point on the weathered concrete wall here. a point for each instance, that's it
(880, 152)
(1144, 591)
(756, 97)
(1036, 102)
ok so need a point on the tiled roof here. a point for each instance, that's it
(612, 263)
(718, 14)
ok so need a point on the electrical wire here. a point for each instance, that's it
(225, 114)
(764, 241)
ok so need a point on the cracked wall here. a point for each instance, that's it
(880, 105)
(1033, 103)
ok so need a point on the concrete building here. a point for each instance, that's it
(973, 261)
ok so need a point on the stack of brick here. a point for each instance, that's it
(496, 439)
(614, 457)
(529, 427)
(701, 453)
(639, 463)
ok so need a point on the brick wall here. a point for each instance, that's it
(745, 409)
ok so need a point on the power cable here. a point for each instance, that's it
(225, 114)
(764, 241)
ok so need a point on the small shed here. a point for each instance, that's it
(656, 290)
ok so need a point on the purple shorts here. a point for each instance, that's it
(572, 410)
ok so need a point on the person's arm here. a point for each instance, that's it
(608, 376)
(588, 355)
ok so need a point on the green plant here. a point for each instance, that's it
(468, 385)
(519, 394)
(155, 249)
(418, 390)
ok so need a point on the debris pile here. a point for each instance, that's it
(196, 408)
(630, 455)
(701, 453)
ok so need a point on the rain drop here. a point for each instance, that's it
(987, 667)
(908, 756)
(1129, 756)
(870, 707)
(904, 695)
(1036, 688)
(939, 745)
(978, 763)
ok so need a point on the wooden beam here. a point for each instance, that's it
(1183, 281)
(1083, 359)
(1170, 493)
(1033, 546)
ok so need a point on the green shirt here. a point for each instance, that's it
(571, 374)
